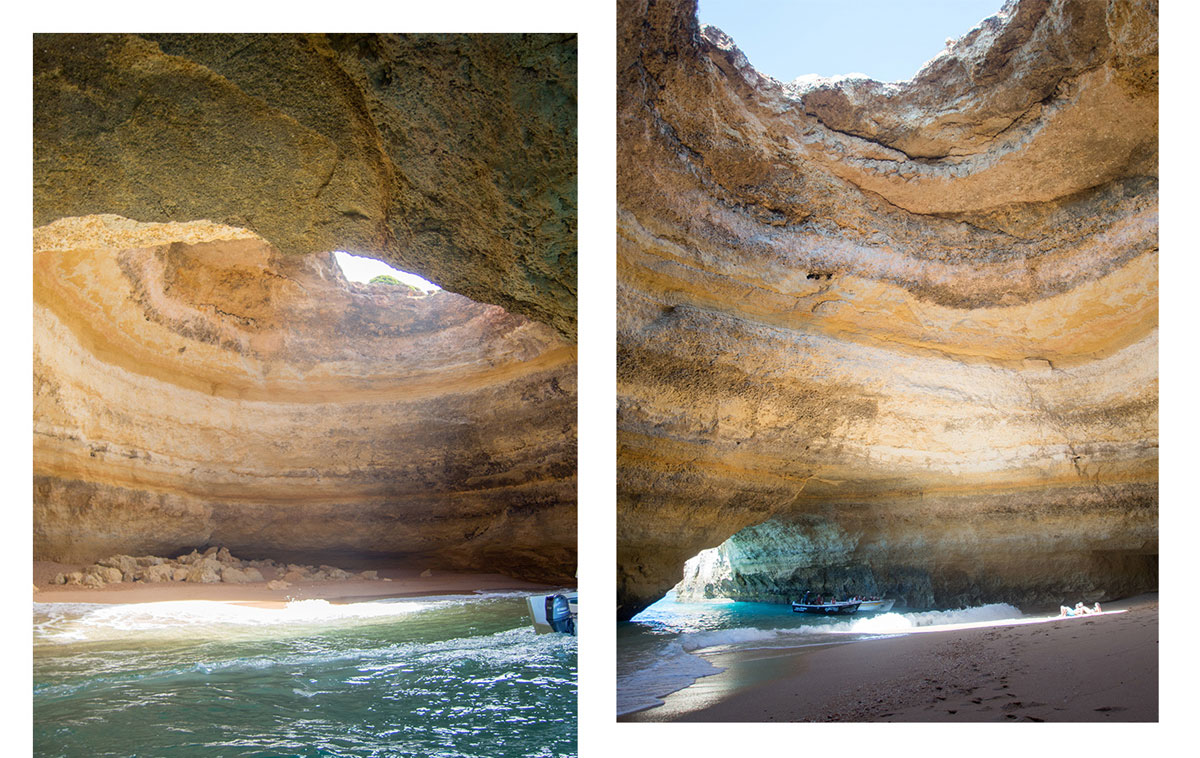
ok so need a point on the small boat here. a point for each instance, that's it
(853, 605)
(844, 606)
(554, 613)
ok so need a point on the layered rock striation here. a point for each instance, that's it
(194, 385)
(451, 156)
(918, 316)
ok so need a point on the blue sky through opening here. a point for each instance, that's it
(888, 40)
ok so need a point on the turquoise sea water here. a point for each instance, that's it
(658, 652)
(451, 676)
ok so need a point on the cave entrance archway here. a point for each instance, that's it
(937, 552)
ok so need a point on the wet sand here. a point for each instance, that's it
(404, 583)
(1088, 668)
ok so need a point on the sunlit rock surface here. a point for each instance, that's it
(193, 385)
(450, 156)
(920, 316)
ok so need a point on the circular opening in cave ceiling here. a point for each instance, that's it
(359, 268)
(878, 39)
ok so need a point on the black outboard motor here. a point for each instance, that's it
(558, 614)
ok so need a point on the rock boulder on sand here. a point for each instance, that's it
(205, 571)
(235, 575)
(214, 565)
(189, 559)
(126, 563)
(331, 573)
(160, 573)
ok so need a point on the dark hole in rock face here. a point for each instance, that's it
(979, 381)
(941, 551)
(193, 386)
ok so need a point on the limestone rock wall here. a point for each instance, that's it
(925, 312)
(194, 385)
(945, 551)
(451, 156)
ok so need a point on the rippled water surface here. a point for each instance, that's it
(430, 677)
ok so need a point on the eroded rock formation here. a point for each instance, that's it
(920, 316)
(214, 565)
(193, 385)
(204, 374)
(451, 156)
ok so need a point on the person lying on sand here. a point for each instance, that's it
(1079, 610)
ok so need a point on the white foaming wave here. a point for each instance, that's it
(508, 648)
(883, 624)
(719, 637)
(900, 623)
(204, 619)
(511, 649)
(672, 669)
(505, 594)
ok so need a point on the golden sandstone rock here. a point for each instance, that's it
(223, 392)
(451, 156)
(905, 333)
(204, 373)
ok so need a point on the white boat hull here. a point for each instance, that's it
(873, 606)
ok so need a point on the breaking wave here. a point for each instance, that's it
(885, 624)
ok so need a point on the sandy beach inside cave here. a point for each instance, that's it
(404, 583)
(1088, 668)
